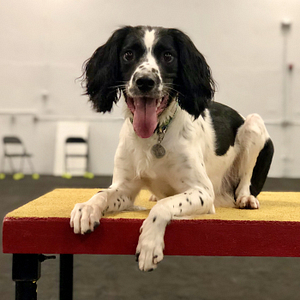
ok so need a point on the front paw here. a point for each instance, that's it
(85, 218)
(149, 252)
(247, 202)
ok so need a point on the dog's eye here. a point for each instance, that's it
(128, 56)
(168, 57)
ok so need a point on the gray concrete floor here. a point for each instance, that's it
(117, 277)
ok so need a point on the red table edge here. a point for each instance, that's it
(182, 237)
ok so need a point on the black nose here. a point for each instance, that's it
(145, 84)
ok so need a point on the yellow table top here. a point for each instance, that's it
(274, 206)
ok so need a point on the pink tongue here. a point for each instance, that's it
(145, 117)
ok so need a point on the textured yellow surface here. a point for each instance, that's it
(274, 206)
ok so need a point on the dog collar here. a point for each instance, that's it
(162, 128)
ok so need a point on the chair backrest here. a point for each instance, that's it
(11, 140)
(13, 146)
(76, 145)
(75, 140)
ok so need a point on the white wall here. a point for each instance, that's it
(44, 43)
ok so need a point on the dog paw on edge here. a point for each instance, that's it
(85, 218)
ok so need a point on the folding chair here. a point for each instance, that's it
(76, 148)
(14, 148)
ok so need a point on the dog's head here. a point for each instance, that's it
(152, 66)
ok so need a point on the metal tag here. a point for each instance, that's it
(158, 151)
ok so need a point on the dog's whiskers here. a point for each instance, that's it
(119, 86)
(169, 89)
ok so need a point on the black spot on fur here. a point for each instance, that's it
(261, 168)
(202, 202)
(180, 204)
(154, 219)
(226, 122)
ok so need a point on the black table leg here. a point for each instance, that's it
(26, 272)
(66, 277)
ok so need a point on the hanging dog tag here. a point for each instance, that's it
(158, 151)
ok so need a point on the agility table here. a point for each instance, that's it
(42, 227)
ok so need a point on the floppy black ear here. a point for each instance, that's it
(102, 74)
(195, 83)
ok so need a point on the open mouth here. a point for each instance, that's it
(145, 112)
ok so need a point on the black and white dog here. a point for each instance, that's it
(191, 153)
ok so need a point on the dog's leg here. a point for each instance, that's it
(198, 200)
(251, 137)
(85, 217)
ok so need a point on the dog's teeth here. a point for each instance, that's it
(158, 103)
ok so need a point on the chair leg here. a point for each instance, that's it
(11, 165)
(66, 277)
(2, 168)
(66, 171)
(87, 163)
(23, 157)
(30, 165)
